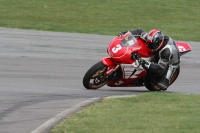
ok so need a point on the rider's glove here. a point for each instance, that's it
(145, 64)
(122, 33)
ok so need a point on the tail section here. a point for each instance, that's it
(183, 47)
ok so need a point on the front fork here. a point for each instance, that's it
(112, 67)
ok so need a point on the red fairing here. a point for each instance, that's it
(183, 47)
(120, 50)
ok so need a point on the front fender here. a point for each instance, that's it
(108, 61)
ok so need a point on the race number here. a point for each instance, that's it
(131, 42)
(117, 48)
(181, 48)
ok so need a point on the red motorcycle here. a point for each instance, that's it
(119, 70)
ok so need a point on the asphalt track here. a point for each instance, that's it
(41, 75)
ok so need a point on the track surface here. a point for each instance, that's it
(41, 75)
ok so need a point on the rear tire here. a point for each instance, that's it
(153, 87)
(94, 77)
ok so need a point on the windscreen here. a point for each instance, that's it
(129, 40)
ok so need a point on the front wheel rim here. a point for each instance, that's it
(98, 79)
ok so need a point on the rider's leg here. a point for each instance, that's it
(163, 82)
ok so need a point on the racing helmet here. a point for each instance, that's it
(155, 39)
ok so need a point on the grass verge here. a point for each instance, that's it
(147, 113)
(179, 19)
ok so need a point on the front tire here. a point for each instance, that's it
(94, 77)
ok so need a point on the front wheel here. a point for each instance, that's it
(94, 77)
(153, 87)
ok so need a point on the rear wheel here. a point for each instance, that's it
(175, 76)
(94, 77)
(152, 87)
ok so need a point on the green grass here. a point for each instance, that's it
(179, 19)
(147, 113)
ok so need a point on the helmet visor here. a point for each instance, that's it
(152, 45)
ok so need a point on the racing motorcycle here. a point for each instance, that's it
(120, 70)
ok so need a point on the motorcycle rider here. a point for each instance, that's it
(166, 60)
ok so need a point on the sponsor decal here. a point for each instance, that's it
(181, 48)
(119, 83)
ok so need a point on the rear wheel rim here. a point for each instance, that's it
(174, 76)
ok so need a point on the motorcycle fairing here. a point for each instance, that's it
(120, 48)
(132, 70)
(183, 47)
(131, 75)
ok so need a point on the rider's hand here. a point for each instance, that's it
(122, 33)
(145, 64)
